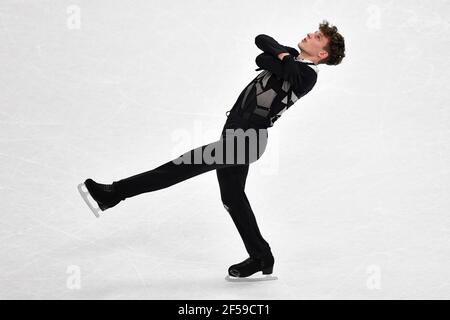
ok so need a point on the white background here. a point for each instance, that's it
(352, 193)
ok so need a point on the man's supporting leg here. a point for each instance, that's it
(232, 183)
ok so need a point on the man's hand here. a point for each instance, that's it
(282, 55)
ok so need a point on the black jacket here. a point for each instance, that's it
(270, 93)
(268, 60)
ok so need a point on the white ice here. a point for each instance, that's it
(352, 193)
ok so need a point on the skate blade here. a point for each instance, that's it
(84, 195)
(252, 278)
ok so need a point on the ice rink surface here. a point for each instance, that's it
(352, 192)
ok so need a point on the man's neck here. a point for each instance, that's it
(305, 56)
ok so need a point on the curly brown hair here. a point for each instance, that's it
(335, 46)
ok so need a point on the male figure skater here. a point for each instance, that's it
(287, 75)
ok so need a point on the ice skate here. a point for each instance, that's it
(252, 269)
(98, 197)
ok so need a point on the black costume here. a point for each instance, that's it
(261, 103)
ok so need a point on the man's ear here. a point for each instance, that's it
(323, 54)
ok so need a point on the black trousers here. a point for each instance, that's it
(231, 172)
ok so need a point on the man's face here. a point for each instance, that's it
(313, 44)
